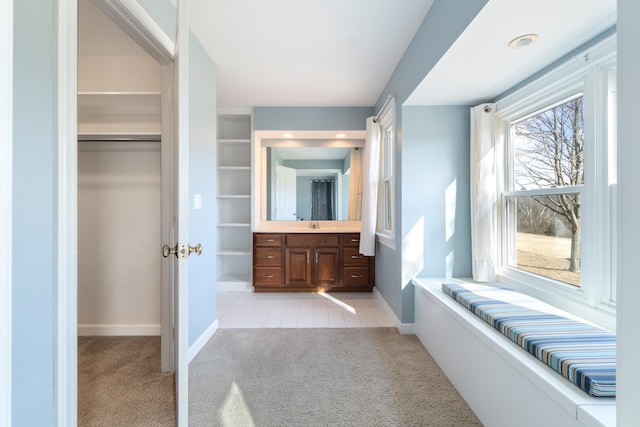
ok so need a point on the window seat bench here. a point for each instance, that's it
(503, 383)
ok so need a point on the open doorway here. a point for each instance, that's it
(120, 277)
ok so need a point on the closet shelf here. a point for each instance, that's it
(110, 103)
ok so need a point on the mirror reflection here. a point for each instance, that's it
(313, 183)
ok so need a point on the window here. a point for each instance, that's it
(386, 201)
(543, 197)
(557, 205)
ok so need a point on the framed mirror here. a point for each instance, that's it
(309, 179)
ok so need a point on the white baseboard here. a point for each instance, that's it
(88, 329)
(202, 341)
(406, 328)
(403, 328)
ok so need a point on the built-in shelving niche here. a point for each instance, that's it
(234, 202)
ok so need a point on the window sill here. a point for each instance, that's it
(388, 241)
(567, 298)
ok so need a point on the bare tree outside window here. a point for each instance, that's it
(549, 154)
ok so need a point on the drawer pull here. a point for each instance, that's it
(356, 256)
(356, 276)
(270, 240)
(268, 276)
(355, 240)
(268, 256)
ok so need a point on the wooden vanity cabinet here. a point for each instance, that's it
(290, 262)
(267, 260)
(358, 269)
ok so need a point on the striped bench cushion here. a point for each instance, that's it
(584, 354)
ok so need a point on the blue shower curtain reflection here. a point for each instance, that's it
(322, 200)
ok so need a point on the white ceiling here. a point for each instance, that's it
(342, 52)
(305, 53)
(480, 66)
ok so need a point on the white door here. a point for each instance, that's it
(180, 246)
(285, 193)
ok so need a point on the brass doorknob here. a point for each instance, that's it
(197, 249)
(167, 250)
(181, 251)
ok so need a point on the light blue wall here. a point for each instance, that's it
(202, 180)
(163, 13)
(310, 118)
(442, 25)
(34, 147)
(435, 191)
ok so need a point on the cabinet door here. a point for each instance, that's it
(326, 269)
(298, 267)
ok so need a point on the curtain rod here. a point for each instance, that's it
(377, 117)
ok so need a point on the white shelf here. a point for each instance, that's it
(119, 103)
(234, 283)
(233, 141)
(233, 252)
(233, 167)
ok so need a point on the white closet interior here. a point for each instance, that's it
(119, 190)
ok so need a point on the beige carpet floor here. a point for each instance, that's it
(321, 377)
(120, 383)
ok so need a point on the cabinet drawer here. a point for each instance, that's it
(352, 239)
(353, 257)
(268, 276)
(356, 276)
(268, 239)
(318, 239)
(270, 257)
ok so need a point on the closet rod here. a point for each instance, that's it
(118, 137)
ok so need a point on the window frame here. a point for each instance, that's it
(589, 74)
(386, 200)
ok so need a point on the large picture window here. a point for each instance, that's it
(557, 186)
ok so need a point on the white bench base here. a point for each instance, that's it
(503, 384)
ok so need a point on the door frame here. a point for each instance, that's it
(6, 182)
(66, 219)
(130, 16)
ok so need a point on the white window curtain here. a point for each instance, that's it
(355, 185)
(370, 179)
(483, 193)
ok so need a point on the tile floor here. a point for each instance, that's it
(303, 310)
